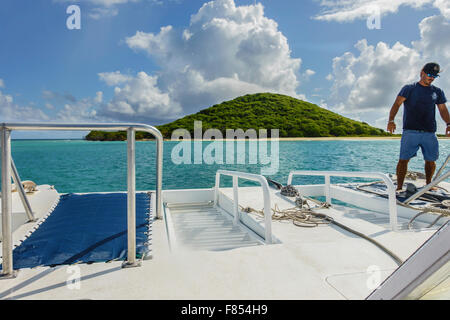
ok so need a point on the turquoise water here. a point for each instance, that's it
(88, 166)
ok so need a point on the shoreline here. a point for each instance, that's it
(303, 139)
(312, 139)
(281, 139)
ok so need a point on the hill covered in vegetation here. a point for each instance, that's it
(292, 117)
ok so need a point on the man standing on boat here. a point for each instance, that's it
(419, 121)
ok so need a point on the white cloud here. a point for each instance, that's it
(114, 78)
(369, 81)
(306, 76)
(350, 10)
(226, 51)
(81, 111)
(98, 97)
(140, 99)
(101, 12)
(10, 111)
(443, 6)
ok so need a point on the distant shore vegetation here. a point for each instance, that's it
(292, 117)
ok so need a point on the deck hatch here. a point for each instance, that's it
(86, 228)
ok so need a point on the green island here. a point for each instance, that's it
(292, 117)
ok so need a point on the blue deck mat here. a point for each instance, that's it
(85, 228)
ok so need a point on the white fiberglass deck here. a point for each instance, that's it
(324, 262)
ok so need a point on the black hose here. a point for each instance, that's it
(379, 245)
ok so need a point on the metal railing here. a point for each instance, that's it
(438, 173)
(428, 187)
(131, 128)
(266, 196)
(377, 175)
(22, 194)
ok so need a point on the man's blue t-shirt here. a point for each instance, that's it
(420, 106)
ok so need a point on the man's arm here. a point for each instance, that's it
(394, 109)
(445, 116)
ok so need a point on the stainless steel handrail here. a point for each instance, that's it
(266, 196)
(22, 193)
(6, 128)
(428, 187)
(438, 173)
(327, 174)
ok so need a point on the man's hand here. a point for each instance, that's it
(447, 131)
(391, 127)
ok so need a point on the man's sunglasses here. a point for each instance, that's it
(432, 75)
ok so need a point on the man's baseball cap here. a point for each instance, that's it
(431, 68)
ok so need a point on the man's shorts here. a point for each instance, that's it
(413, 139)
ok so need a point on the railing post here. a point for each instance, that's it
(327, 189)
(22, 193)
(7, 263)
(438, 173)
(131, 199)
(267, 212)
(236, 199)
(216, 189)
(266, 196)
(159, 161)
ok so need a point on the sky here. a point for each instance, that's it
(154, 61)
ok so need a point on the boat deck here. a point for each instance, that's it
(323, 262)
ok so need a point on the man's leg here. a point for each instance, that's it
(430, 167)
(402, 168)
(430, 150)
(409, 145)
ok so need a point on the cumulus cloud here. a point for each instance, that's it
(370, 80)
(60, 107)
(140, 99)
(363, 81)
(226, 51)
(67, 108)
(10, 111)
(98, 13)
(98, 97)
(350, 10)
(81, 111)
(114, 78)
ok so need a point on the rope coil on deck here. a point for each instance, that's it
(302, 215)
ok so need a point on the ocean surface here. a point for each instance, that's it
(93, 166)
